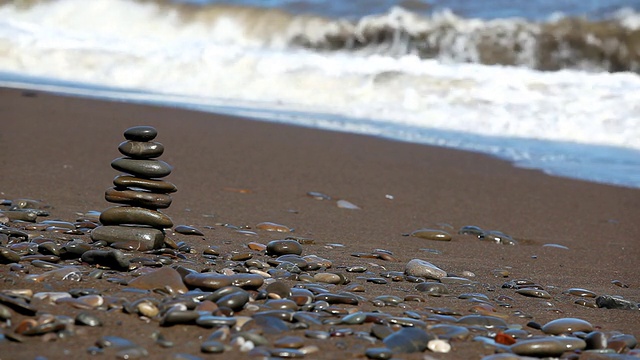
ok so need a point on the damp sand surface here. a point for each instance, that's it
(365, 207)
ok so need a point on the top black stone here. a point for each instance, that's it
(140, 133)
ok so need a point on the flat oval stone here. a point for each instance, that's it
(489, 322)
(234, 301)
(432, 288)
(142, 168)
(566, 325)
(164, 278)
(187, 230)
(380, 353)
(425, 269)
(141, 149)
(407, 340)
(471, 230)
(212, 347)
(140, 133)
(216, 281)
(498, 237)
(530, 292)
(149, 238)
(580, 292)
(214, 321)
(269, 226)
(289, 342)
(284, 247)
(138, 198)
(432, 234)
(157, 186)
(87, 319)
(547, 346)
(328, 278)
(120, 215)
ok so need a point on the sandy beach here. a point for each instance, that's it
(234, 173)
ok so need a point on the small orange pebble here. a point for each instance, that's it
(256, 246)
(269, 226)
(238, 190)
(504, 339)
(25, 325)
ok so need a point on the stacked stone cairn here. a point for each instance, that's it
(137, 225)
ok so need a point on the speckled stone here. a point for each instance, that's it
(141, 149)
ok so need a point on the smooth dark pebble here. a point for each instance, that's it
(140, 133)
(283, 247)
(142, 168)
(141, 149)
(187, 230)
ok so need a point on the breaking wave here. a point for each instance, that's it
(611, 44)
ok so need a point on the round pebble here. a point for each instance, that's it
(283, 247)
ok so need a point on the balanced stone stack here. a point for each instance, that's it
(137, 224)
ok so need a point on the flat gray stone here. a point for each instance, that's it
(149, 238)
(119, 215)
(142, 168)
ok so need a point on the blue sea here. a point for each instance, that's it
(546, 84)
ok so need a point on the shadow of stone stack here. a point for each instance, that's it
(137, 224)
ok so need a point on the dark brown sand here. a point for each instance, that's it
(58, 149)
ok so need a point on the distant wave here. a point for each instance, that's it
(564, 43)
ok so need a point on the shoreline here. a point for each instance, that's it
(592, 173)
(236, 171)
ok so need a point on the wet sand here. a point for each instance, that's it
(241, 172)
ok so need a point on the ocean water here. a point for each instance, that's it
(547, 84)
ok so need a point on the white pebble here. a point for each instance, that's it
(344, 204)
(439, 346)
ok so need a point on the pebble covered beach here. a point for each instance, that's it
(221, 237)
